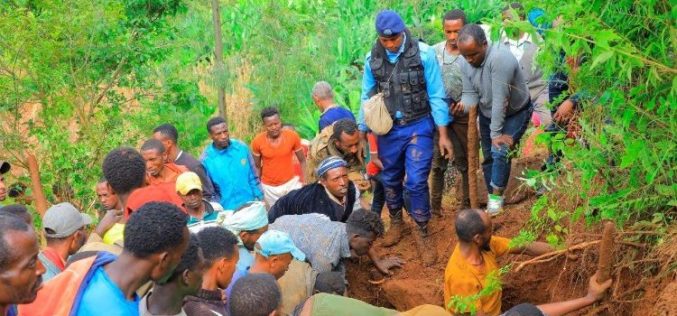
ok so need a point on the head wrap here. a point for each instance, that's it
(251, 217)
(329, 163)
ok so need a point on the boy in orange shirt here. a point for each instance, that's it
(473, 264)
(273, 152)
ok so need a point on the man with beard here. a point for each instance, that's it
(108, 283)
(341, 139)
(20, 270)
(229, 165)
(334, 195)
(273, 152)
(66, 232)
(472, 265)
(494, 82)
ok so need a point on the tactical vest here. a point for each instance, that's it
(406, 90)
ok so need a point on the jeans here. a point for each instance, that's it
(496, 164)
(379, 198)
(408, 149)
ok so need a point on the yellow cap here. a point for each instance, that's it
(188, 181)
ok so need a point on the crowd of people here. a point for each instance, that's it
(265, 228)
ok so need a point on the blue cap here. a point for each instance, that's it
(389, 23)
(275, 242)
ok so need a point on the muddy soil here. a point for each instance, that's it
(637, 289)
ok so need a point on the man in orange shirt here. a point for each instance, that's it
(158, 169)
(273, 152)
(472, 266)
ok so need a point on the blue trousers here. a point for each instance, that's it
(496, 164)
(408, 150)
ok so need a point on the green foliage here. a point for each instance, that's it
(294, 44)
(625, 169)
(79, 80)
(468, 304)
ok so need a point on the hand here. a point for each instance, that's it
(362, 184)
(457, 108)
(596, 290)
(445, 146)
(377, 161)
(564, 111)
(107, 221)
(384, 265)
(502, 140)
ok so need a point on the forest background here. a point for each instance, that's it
(79, 78)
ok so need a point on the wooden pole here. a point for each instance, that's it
(218, 54)
(473, 159)
(36, 184)
(606, 252)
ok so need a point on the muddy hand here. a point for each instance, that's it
(596, 290)
(445, 148)
(564, 111)
(502, 140)
(457, 108)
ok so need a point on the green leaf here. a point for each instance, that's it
(632, 151)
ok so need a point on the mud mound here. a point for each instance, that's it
(644, 278)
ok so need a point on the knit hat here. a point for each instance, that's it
(329, 163)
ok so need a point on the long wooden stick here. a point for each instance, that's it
(606, 249)
(473, 159)
(36, 184)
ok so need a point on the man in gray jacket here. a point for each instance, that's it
(493, 80)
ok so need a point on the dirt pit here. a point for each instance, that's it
(641, 286)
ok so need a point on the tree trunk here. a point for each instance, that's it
(218, 54)
(606, 252)
(473, 159)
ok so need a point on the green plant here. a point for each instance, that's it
(468, 304)
(625, 168)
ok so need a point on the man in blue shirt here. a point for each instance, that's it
(229, 165)
(323, 97)
(406, 72)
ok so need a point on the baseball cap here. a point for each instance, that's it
(4, 166)
(64, 219)
(188, 181)
(275, 242)
(389, 23)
